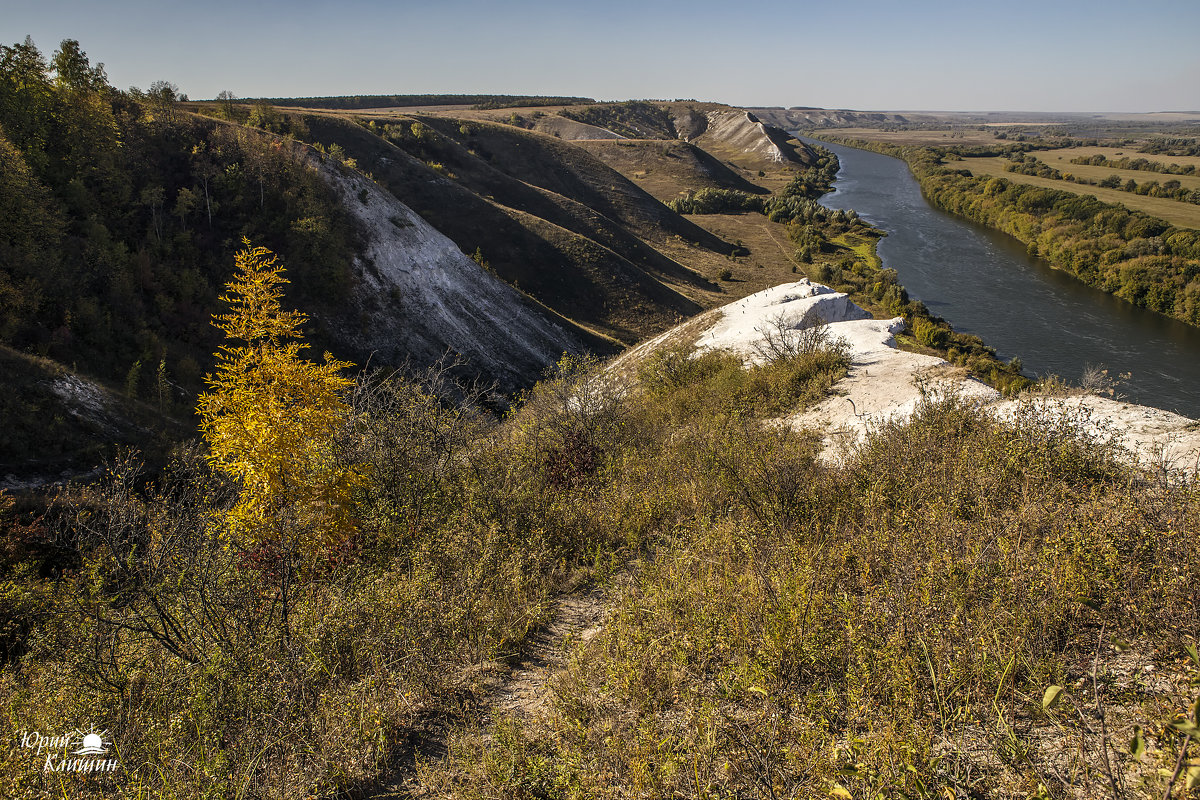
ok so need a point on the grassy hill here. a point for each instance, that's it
(617, 584)
(121, 212)
(587, 265)
(667, 168)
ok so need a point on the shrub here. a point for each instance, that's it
(930, 333)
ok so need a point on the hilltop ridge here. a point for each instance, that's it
(887, 384)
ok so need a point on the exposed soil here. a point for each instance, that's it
(518, 688)
(523, 691)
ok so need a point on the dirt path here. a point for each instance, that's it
(780, 245)
(519, 688)
(524, 691)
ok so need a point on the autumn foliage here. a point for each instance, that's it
(270, 417)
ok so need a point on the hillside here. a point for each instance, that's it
(788, 646)
(668, 168)
(585, 261)
(418, 297)
(683, 547)
(653, 483)
(121, 211)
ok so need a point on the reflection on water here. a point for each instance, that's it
(984, 283)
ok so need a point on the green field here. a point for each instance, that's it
(1185, 215)
(1062, 158)
(937, 137)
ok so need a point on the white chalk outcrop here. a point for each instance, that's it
(886, 383)
(742, 130)
(791, 303)
(418, 296)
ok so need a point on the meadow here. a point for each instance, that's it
(921, 137)
(1184, 215)
(1062, 158)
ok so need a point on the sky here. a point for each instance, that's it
(1016, 55)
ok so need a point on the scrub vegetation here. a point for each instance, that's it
(945, 610)
(278, 610)
(314, 586)
(903, 625)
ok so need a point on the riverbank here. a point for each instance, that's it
(1129, 254)
(986, 283)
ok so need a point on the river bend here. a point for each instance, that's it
(984, 283)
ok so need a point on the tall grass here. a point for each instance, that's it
(885, 628)
(131, 614)
(791, 628)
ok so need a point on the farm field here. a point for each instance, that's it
(1061, 159)
(1063, 164)
(1185, 215)
(938, 137)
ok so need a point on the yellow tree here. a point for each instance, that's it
(270, 419)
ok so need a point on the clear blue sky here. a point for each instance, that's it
(1063, 55)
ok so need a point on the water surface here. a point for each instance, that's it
(983, 282)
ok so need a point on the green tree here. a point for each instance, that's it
(226, 97)
(26, 99)
(72, 69)
(185, 204)
(163, 96)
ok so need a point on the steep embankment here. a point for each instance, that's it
(548, 218)
(792, 118)
(667, 168)
(743, 133)
(730, 132)
(417, 296)
(571, 130)
(59, 424)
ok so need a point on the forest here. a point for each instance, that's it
(114, 206)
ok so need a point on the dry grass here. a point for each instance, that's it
(1061, 160)
(769, 263)
(666, 169)
(888, 626)
(1185, 215)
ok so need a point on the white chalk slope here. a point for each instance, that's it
(418, 296)
(742, 130)
(886, 383)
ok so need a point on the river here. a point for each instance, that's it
(984, 283)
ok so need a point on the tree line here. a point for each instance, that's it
(1130, 254)
(478, 101)
(1168, 146)
(1172, 189)
(1100, 160)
